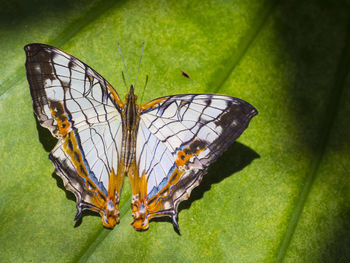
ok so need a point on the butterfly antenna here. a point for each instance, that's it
(143, 47)
(143, 92)
(123, 76)
(126, 71)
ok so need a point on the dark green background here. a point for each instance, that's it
(280, 194)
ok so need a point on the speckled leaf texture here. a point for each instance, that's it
(281, 193)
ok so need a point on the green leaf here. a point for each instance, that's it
(280, 194)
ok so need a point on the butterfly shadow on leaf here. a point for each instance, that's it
(70, 196)
(45, 136)
(236, 158)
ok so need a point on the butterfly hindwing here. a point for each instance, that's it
(80, 108)
(178, 138)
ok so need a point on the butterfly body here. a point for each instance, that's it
(164, 146)
(131, 117)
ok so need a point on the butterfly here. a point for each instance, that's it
(164, 146)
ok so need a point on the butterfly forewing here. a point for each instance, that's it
(179, 137)
(82, 110)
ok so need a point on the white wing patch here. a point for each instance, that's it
(212, 121)
(154, 159)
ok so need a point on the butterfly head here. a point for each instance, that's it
(131, 97)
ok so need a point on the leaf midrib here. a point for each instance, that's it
(85, 253)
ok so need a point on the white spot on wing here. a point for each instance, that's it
(215, 129)
(196, 107)
(207, 134)
(61, 70)
(77, 75)
(84, 103)
(54, 93)
(60, 59)
(218, 103)
(73, 106)
(212, 112)
(190, 114)
(47, 110)
(77, 85)
(97, 93)
(170, 111)
(37, 68)
(52, 83)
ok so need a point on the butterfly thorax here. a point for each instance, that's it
(131, 117)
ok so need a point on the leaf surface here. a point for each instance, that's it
(279, 194)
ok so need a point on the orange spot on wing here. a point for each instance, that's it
(57, 111)
(183, 157)
(154, 203)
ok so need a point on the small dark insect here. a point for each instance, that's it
(185, 74)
